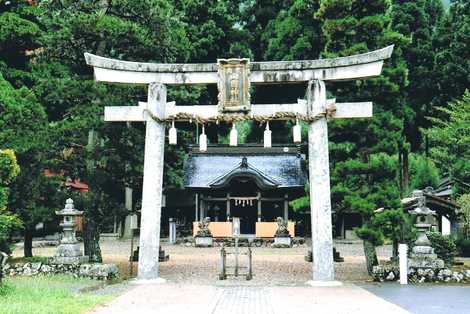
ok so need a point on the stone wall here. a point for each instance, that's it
(417, 275)
(94, 271)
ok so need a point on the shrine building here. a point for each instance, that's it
(251, 182)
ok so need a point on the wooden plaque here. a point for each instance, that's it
(234, 84)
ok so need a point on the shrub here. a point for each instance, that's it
(444, 246)
(8, 224)
(9, 169)
(463, 246)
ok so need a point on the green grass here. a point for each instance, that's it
(48, 294)
(34, 259)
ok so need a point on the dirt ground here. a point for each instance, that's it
(270, 266)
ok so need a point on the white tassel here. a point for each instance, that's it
(233, 136)
(203, 140)
(172, 138)
(297, 133)
(267, 136)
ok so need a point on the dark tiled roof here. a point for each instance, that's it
(283, 166)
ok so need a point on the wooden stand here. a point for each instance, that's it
(223, 263)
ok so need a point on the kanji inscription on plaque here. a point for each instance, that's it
(234, 84)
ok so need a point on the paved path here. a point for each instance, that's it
(173, 298)
(425, 298)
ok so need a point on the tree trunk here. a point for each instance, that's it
(395, 250)
(91, 241)
(371, 255)
(406, 174)
(400, 170)
(28, 243)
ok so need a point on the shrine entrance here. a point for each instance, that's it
(250, 182)
(233, 78)
(244, 203)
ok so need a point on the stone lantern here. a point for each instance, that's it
(68, 251)
(423, 255)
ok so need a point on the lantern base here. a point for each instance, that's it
(69, 253)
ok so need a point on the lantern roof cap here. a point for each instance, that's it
(69, 209)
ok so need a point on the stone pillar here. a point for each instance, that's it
(152, 185)
(228, 206)
(127, 233)
(172, 231)
(319, 177)
(286, 208)
(403, 260)
(196, 207)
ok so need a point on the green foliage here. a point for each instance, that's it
(33, 259)
(464, 203)
(463, 246)
(392, 224)
(450, 138)
(363, 187)
(417, 20)
(19, 34)
(9, 169)
(423, 172)
(46, 294)
(444, 246)
(8, 224)
(22, 119)
(302, 203)
(5, 289)
(294, 34)
(370, 234)
(451, 61)
(364, 169)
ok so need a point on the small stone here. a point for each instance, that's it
(99, 271)
(466, 273)
(46, 269)
(446, 272)
(390, 276)
(457, 276)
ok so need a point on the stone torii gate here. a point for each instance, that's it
(234, 77)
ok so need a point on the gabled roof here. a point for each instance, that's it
(438, 204)
(270, 168)
(245, 170)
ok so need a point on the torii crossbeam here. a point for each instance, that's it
(156, 110)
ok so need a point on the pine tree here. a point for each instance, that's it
(417, 20)
(106, 156)
(363, 178)
(450, 139)
(452, 60)
(19, 37)
(294, 34)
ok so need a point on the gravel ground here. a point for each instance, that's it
(270, 266)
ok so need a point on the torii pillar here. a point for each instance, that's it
(149, 240)
(319, 178)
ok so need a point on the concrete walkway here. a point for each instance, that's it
(180, 298)
(424, 298)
